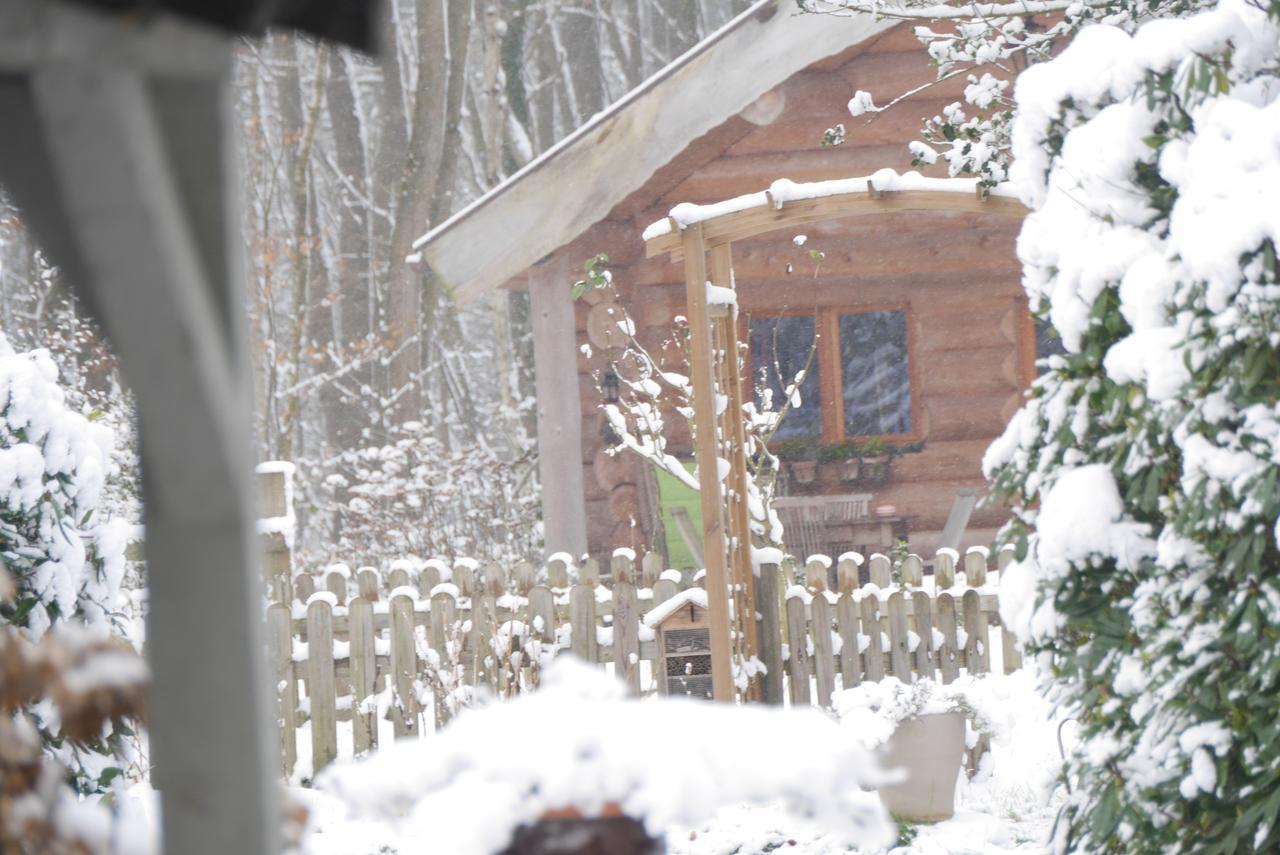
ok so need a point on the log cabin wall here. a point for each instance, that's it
(956, 275)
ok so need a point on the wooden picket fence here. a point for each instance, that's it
(410, 645)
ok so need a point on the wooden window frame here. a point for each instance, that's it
(831, 372)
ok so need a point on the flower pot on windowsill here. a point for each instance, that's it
(568, 832)
(875, 470)
(804, 471)
(929, 749)
(850, 470)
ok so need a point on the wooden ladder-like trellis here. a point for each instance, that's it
(706, 247)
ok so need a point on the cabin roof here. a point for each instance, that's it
(576, 183)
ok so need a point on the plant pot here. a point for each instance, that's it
(804, 471)
(850, 470)
(929, 749)
(876, 469)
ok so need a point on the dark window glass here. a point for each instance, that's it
(875, 373)
(779, 350)
(1048, 343)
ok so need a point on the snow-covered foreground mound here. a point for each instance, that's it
(1008, 807)
(578, 742)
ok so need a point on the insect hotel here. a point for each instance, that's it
(683, 633)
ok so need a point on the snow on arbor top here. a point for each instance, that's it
(659, 613)
(784, 190)
(572, 744)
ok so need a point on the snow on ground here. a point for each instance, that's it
(1008, 808)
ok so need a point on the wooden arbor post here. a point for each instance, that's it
(719, 437)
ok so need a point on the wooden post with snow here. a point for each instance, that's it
(706, 449)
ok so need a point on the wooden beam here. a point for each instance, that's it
(767, 218)
(706, 448)
(134, 194)
(555, 359)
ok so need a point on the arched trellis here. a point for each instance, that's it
(703, 236)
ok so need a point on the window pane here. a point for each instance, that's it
(789, 340)
(875, 374)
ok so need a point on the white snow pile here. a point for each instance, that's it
(53, 464)
(578, 742)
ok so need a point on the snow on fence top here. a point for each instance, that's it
(784, 191)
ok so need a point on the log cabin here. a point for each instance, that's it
(926, 339)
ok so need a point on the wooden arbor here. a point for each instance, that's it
(703, 237)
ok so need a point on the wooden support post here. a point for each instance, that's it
(555, 358)
(706, 448)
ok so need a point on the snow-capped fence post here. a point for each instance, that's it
(899, 646)
(847, 622)
(321, 686)
(280, 644)
(397, 577)
(558, 572)
(847, 573)
(303, 588)
(949, 652)
(921, 606)
(432, 574)
(650, 569)
(1009, 650)
(622, 568)
(815, 574)
(524, 577)
(975, 567)
(589, 573)
(626, 629)
(464, 576)
(404, 666)
(944, 569)
(824, 664)
(798, 643)
(277, 560)
(769, 601)
(663, 590)
(364, 669)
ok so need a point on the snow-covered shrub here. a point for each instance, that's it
(65, 560)
(872, 710)
(1145, 466)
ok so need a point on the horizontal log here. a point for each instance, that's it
(950, 417)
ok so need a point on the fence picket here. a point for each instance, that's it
(524, 577)
(404, 666)
(873, 661)
(322, 692)
(364, 669)
(815, 575)
(663, 590)
(367, 583)
(430, 576)
(557, 573)
(484, 662)
(798, 642)
(899, 646)
(542, 612)
(949, 652)
(847, 573)
(464, 576)
(769, 599)
(912, 571)
(626, 628)
(336, 584)
(976, 650)
(444, 615)
(824, 664)
(582, 623)
(879, 566)
(975, 567)
(924, 657)
(650, 569)
(847, 622)
(622, 568)
(304, 587)
(397, 578)
(280, 638)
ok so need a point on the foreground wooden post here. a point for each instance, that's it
(706, 452)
